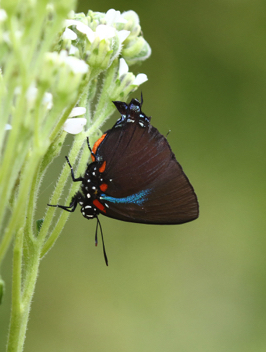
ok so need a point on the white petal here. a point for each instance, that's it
(8, 127)
(76, 65)
(69, 34)
(77, 111)
(73, 50)
(18, 34)
(17, 90)
(82, 27)
(74, 126)
(105, 32)
(31, 93)
(112, 16)
(91, 35)
(6, 37)
(141, 78)
(48, 100)
(62, 54)
(71, 23)
(122, 35)
(123, 67)
(3, 15)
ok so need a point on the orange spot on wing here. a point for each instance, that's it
(99, 205)
(102, 168)
(96, 145)
(103, 187)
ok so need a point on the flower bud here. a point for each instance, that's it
(99, 53)
(135, 47)
(132, 24)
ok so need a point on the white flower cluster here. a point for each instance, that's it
(88, 46)
(98, 39)
(103, 27)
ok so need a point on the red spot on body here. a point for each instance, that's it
(103, 187)
(99, 205)
(96, 145)
(102, 168)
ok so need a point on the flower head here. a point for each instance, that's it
(102, 42)
(64, 71)
(102, 37)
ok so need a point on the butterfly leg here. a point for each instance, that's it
(88, 143)
(72, 172)
(72, 206)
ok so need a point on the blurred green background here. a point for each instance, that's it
(198, 287)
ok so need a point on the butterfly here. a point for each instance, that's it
(134, 175)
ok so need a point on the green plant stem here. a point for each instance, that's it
(32, 203)
(17, 214)
(64, 215)
(7, 167)
(104, 97)
(101, 119)
(25, 244)
(73, 155)
(21, 302)
(7, 96)
(16, 307)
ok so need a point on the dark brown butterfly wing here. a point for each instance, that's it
(145, 182)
